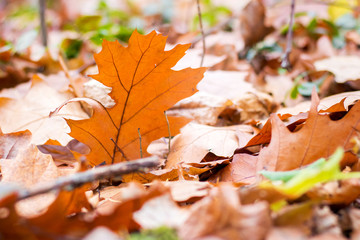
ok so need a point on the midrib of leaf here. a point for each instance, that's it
(126, 101)
(149, 102)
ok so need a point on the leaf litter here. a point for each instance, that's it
(245, 167)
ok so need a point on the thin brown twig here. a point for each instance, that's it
(168, 126)
(213, 29)
(42, 4)
(285, 62)
(202, 32)
(78, 179)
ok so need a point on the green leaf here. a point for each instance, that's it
(294, 92)
(88, 23)
(160, 233)
(71, 47)
(306, 88)
(307, 178)
(285, 176)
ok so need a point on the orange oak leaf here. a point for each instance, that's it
(143, 87)
(319, 137)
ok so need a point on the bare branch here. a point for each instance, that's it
(285, 62)
(78, 179)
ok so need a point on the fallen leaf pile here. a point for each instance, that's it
(144, 143)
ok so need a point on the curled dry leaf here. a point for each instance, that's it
(345, 68)
(188, 191)
(350, 98)
(143, 87)
(196, 140)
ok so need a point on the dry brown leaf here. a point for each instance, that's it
(188, 191)
(17, 92)
(264, 136)
(286, 233)
(121, 215)
(253, 28)
(29, 168)
(325, 103)
(343, 192)
(311, 142)
(160, 174)
(11, 144)
(338, 107)
(202, 107)
(195, 141)
(160, 211)
(345, 68)
(242, 169)
(32, 111)
(9, 219)
(220, 216)
(326, 222)
(143, 87)
(227, 84)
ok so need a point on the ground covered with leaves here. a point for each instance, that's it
(179, 119)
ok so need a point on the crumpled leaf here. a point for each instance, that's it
(196, 140)
(143, 87)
